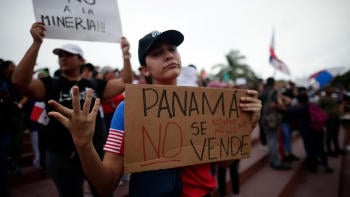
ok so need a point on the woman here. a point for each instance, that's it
(159, 56)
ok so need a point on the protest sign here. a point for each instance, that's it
(172, 126)
(89, 20)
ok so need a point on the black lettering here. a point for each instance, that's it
(60, 21)
(233, 105)
(176, 99)
(91, 24)
(194, 126)
(220, 101)
(90, 12)
(103, 27)
(45, 20)
(245, 138)
(69, 22)
(78, 23)
(193, 104)
(66, 9)
(210, 147)
(203, 129)
(223, 148)
(145, 95)
(53, 20)
(164, 104)
(233, 138)
(90, 2)
(200, 157)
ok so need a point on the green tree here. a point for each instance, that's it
(235, 68)
(342, 81)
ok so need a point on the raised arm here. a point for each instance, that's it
(22, 76)
(252, 104)
(126, 72)
(104, 175)
(117, 86)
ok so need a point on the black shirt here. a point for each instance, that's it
(59, 138)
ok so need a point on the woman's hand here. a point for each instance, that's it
(80, 122)
(38, 32)
(251, 104)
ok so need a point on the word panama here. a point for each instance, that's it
(171, 103)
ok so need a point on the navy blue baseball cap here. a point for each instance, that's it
(148, 41)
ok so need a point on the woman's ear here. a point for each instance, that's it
(147, 72)
(148, 76)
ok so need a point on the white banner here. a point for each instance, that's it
(89, 20)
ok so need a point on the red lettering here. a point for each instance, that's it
(157, 144)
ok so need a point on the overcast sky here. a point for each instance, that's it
(309, 34)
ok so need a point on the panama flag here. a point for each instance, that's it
(274, 61)
(39, 114)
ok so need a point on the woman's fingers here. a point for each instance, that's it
(66, 112)
(95, 110)
(250, 104)
(62, 114)
(76, 100)
(87, 103)
(252, 93)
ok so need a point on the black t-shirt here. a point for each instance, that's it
(59, 139)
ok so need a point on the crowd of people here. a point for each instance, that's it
(289, 106)
(84, 137)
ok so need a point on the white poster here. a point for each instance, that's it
(89, 20)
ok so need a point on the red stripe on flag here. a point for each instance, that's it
(36, 113)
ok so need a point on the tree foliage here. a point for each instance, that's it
(235, 68)
(342, 81)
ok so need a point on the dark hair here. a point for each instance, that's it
(4, 66)
(303, 98)
(148, 79)
(89, 66)
(57, 73)
(270, 81)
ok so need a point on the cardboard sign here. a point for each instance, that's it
(169, 126)
(89, 20)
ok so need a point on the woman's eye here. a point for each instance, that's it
(172, 49)
(156, 53)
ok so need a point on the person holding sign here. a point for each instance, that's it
(161, 60)
(63, 163)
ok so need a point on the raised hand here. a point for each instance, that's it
(38, 31)
(80, 122)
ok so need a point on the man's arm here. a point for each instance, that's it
(117, 86)
(126, 72)
(22, 77)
